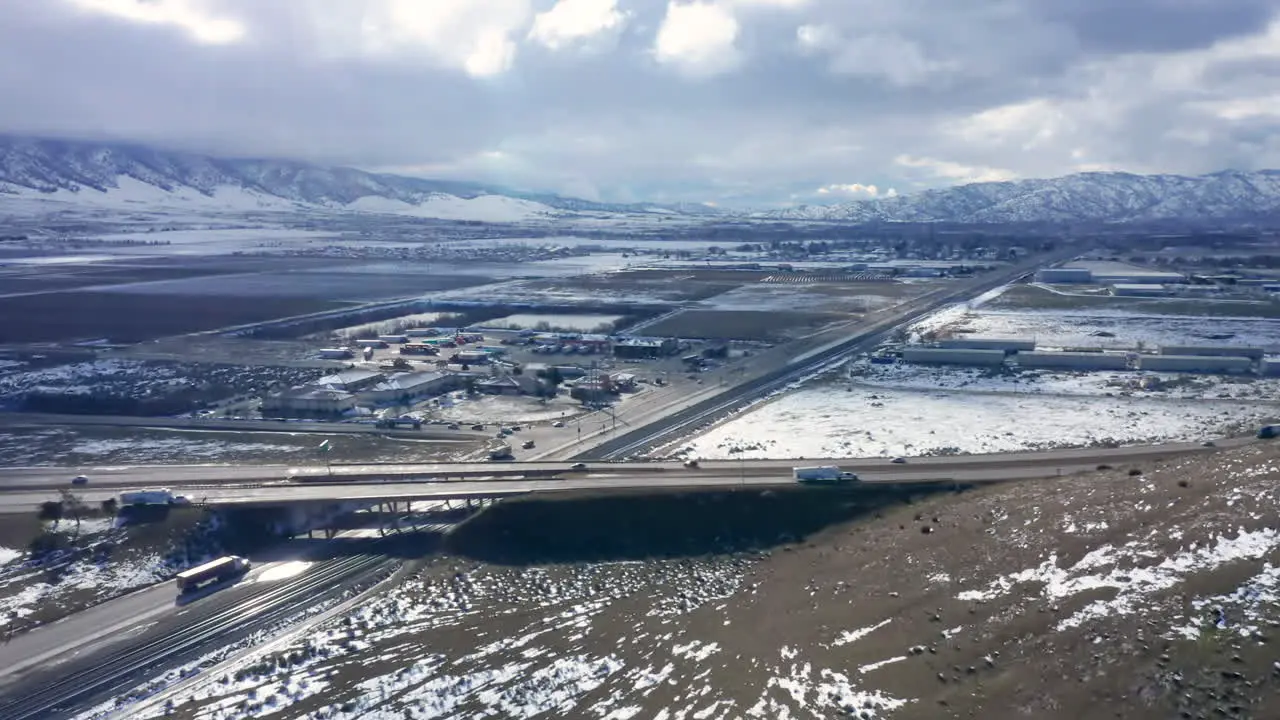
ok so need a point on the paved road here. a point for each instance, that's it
(393, 481)
(428, 432)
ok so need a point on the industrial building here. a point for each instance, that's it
(1112, 273)
(1253, 353)
(1269, 366)
(1073, 360)
(1140, 290)
(952, 356)
(645, 348)
(350, 380)
(1196, 363)
(308, 402)
(1064, 275)
(408, 387)
(988, 343)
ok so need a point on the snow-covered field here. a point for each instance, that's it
(1119, 329)
(840, 420)
(579, 323)
(769, 296)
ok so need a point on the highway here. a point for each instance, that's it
(435, 433)
(145, 646)
(781, 366)
(246, 486)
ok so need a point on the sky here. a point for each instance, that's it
(733, 102)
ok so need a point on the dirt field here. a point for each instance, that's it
(124, 317)
(769, 326)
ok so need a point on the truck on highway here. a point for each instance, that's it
(1267, 432)
(214, 571)
(824, 474)
(160, 496)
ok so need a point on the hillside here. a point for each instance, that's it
(126, 176)
(1108, 594)
(1096, 197)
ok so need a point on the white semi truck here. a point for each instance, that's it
(824, 475)
(161, 496)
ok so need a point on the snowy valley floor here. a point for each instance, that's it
(1108, 594)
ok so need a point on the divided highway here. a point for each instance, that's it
(96, 677)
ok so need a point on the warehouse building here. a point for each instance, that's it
(1073, 360)
(1270, 367)
(1196, 363)
(1253, 353)
(1064, 275)
(1111, 273)
(307, 401)
(645, 348)
(988, 343)
(351, 380)
(952, 356)
(404, 388)
(1140, 290)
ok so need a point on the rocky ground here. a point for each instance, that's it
(1134, 592)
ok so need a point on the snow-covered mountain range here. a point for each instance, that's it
(1096, 196)
(129, 176)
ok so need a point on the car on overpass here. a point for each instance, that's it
(80, 480)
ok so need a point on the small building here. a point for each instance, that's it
(1064, 275)
(988, 343)
(1269, 367)
(336, 354)
(308, 401)
(1253, 353)
(622, 382)
(1196, 363)
(952, 356)
(351, 380)
(1074, 360)
(1140, 290)
(514, 385)
(592, 390)
(645, 348)
(404, 388)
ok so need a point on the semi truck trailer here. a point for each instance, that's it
(824, 475)
(214, 571)
(160, 496)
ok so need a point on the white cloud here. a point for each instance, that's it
(571, 22)
(193, 16)
(477, 36)
(697, 38)
(856, 190)
(953, 171)
(890, 57)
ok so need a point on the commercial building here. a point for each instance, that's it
(622, 382)
(1196, 363)
(307, 401)
(1105, 272)
(514, 385)
(645, 348)
(408, 387)
(1140, 290)
(1253, 353)
(351, 380)
(1073, 360)
(988, 343)
(1064, 275)
(945, 356)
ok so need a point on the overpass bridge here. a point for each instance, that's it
(21, 490)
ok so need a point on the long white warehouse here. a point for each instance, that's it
(952, 356)
(1073, 360)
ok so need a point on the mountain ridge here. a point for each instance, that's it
(43, 167)
(1093, 196)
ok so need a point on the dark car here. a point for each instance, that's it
(80, 480)
(477, 427)
(578, 466)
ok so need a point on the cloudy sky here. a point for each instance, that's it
(727, 101)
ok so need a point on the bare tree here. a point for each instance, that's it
(74, 505)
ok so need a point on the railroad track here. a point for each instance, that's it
(119, 670)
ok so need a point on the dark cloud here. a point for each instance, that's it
(307, 81)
